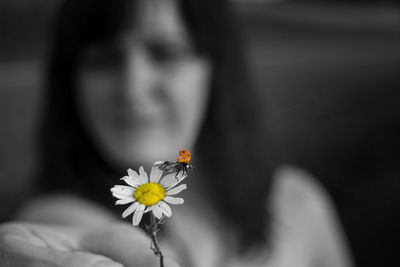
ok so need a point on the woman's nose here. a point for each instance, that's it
(140, 77)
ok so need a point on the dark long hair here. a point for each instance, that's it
(229, 146)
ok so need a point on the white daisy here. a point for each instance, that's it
(149, 193)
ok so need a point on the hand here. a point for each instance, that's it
(114, 245)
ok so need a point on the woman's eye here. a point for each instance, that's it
(168, 53)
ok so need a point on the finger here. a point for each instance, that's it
(16, 251)
(56, 237)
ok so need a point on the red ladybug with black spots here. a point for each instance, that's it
(182, 163)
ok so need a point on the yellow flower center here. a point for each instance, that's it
(149, 194)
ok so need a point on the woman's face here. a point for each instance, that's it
(143, 97)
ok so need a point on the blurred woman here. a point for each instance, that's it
(132, 82)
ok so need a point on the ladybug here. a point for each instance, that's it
(182, 163)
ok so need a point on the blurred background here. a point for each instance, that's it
(328, 71)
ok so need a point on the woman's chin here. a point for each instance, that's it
(144, 152)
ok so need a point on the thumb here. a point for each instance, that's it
(122, 242)
(171, 262)
(126, 244)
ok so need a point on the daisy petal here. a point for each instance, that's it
(130, 209)
(157, 212)
(136, 177)
(124, 201)
(168, 180)
(181, 175)
(171, 179)
(155, 173)
(174, 200)
(133, 174)
(165, 208)
(143, 175)
(121, 196)
(131, 181)
(123, 190)
(176, 190)
(172, 186)
(137, 217)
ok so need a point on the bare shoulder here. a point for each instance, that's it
(301, 205)
(296, 191)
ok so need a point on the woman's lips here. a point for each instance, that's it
(133, 118)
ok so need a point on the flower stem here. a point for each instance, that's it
(152, 232)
